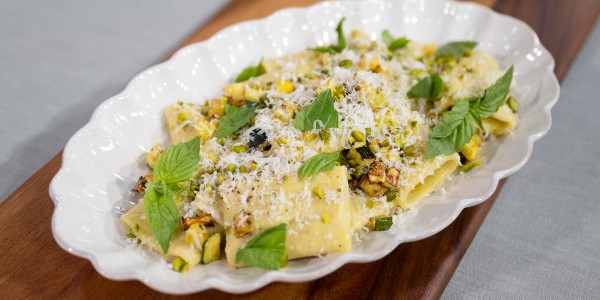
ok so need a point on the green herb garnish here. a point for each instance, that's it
(250, 72)
(452, 132)
(494, 95)
(319, 114)
(176, 164)
(266, 250)
(429, 88)
(341, 45)
(234, 119)
(456, 127)
(455, 49)
(391, 43)
(319, 163)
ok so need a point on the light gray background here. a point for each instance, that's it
(60, 59)
(541, 239)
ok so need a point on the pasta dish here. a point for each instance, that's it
(304, 154)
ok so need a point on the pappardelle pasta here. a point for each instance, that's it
(305, 153)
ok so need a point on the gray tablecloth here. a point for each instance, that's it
(541, 240)
(60, 59)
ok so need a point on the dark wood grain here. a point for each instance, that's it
(33, 266)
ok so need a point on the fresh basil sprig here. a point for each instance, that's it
(319, 114)
(234, 119)
(250, 72)
(455, 129)
(494, 95)
(176, 164)
(341, 45)
(266, 250)
(319, 163)
(454, 49)
(391, 43)
(429, 88)
(452, 132)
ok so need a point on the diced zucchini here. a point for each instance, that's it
(382, 224)
(212, 249)
(365, 152)
(470, 165)
(391, 195)
(179, 265)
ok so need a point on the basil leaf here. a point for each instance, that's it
(452, 132)
(341, 45)
(387, 38)
(341, 38)
(234, 119)
(319, 163)
(319, 114)
(428, 88)
(250, 72)
(391, 43)
(161, 214)
(494, 95)
(266, 250)
(178, 162)
(455, 49)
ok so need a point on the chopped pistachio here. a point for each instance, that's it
(416, 72)
(325, 218)
(281, 140)
(325, 136)
(231, 168)
(346, 63)
(309, 136)
(220, 179)
(319, 192)
(242, 169)
(181, 117)
(512, 103)
(238, 148)
(359, 136)
(409, 150)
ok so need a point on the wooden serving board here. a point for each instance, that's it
(33, 266)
